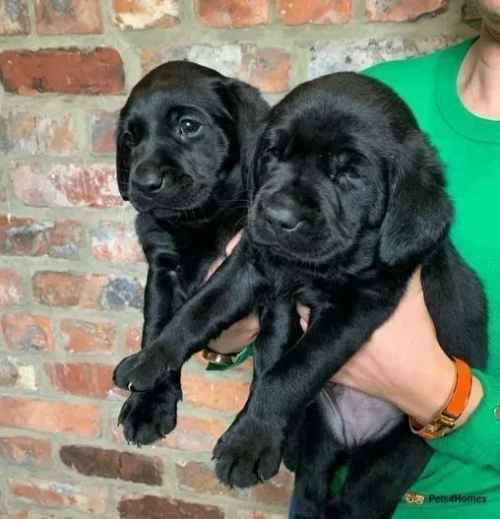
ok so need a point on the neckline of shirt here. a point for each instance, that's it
(450, 104)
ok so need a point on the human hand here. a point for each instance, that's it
(241, 333)
(403, 362)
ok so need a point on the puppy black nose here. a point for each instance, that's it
(282, 217)
(148, 178)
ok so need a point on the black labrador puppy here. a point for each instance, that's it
(181, 144)
(350, 199)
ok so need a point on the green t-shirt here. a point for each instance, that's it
(467, 461)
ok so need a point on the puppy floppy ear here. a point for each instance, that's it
(122, 162)
(419, 212)
(248, 110)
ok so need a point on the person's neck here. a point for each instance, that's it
(479, 80)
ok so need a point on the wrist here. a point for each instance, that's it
(431, 386)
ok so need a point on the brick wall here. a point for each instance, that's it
(71, 272)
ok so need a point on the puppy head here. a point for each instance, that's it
(180, 138)
(346, 179)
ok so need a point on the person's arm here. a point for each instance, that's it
(240, 335)
(413, 372)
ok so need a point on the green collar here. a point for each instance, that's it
(450, 105)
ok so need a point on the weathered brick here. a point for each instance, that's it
(247, 514)
(56, 417)
(19, 514)
(68, 17)
(11, 290)
(84, 379)
(200, 478)
(403, 10)
(27, 332)
(470, 12)
(133, 337)
(145, 14)
(34, 134)
(154, 507)
(65, 71)
(107, 463)
(14, 18)
(276, 491)
(328, 57)
(116, 242)
(315, 11)
(27, 237)
(268, 69)
(208, 391)
(67, 289)
(103, 128)
(66, 185)
(233, 13)
(17, 372)
(86, 337)
(265, 68)
(56, 494)
(86, 290)
(23, 450)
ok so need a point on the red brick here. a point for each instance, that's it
(64, 71)
(145, 14)
(54, 494)
(67, 289)
(26, 237)
(268, 69)
(14, 17)
(27, 332)
(23, 450)
(200, 478)
(402, 10)
(107, 463)
(86, 337)
(154, 507)
(84, 379)
(277, 491)
(219, 394)
(265, 68)
(315, 11)
(133, 337)
(233, 13)
(69, 17)
(34, 134)
(11, 290)
(115, 242)
(56, 417)
(103, 128)
(86, 290)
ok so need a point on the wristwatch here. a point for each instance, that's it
(445, 421)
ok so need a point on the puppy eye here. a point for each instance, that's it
(189, 127)
(274, 152)
(128, 139)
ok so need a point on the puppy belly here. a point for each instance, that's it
(354, 418)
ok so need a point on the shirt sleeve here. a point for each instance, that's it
(477, 440)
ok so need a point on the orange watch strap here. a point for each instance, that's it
(460, 396)
(457, 402)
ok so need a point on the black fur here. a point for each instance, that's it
(188, 189)
(350, 200)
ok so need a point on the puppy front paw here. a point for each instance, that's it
(149, 416)
(141, 371)
(249, 452)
